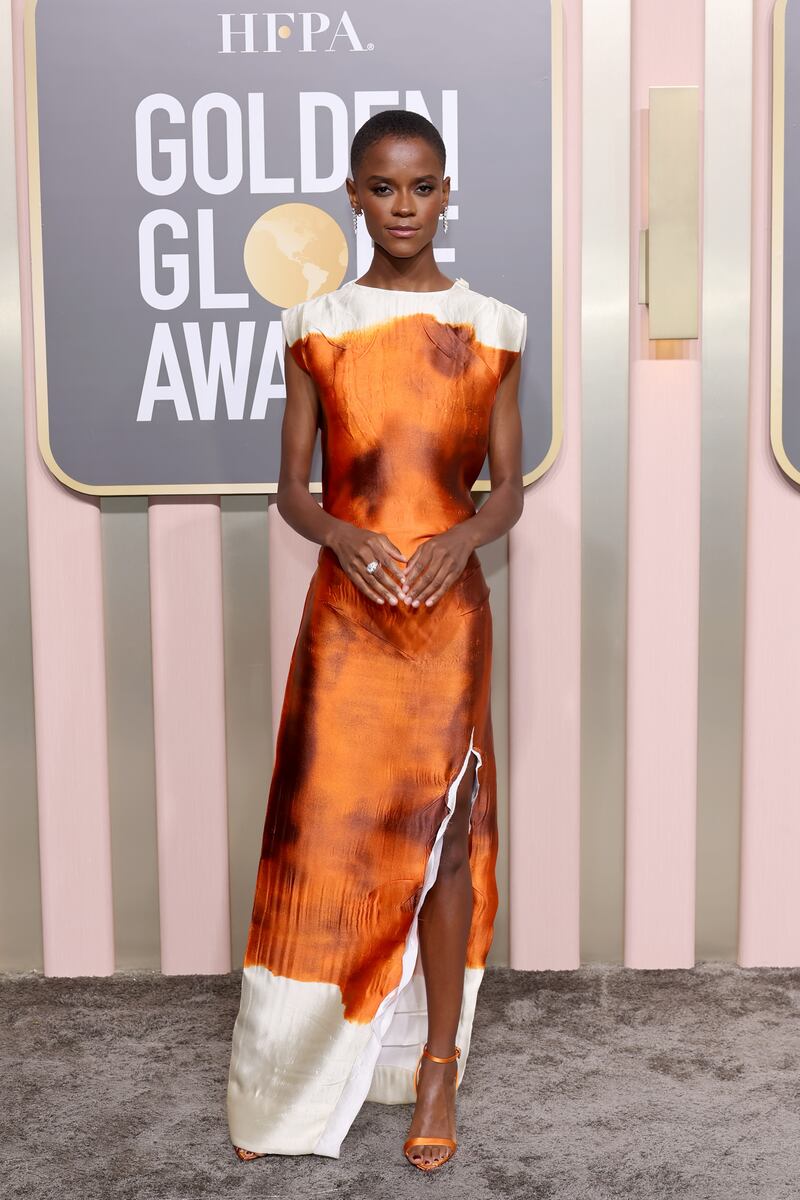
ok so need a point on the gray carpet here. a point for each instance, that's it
(602, 1082)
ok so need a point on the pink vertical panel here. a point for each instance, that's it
(769, 931)
(68, 666)
(663, 552)
(663, 630)
(544, 552)
(189, 713)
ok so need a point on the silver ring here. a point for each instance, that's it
(373, 566)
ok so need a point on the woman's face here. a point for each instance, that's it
(399, 183)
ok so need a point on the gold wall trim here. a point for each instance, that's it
(776, 305)
(673, 234)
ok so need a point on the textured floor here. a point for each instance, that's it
(603, 1082)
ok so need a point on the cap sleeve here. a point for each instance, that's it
(523, 332)
(515, 333)
(292, 322)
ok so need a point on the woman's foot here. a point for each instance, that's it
(435, 1111)
(246, 1155)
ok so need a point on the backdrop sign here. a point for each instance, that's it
(187, 172)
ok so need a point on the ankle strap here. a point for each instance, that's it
(428, 1054)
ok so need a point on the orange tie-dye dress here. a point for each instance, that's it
(383, 707)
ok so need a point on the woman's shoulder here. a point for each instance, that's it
(495, 305)
(500, 324)
(315, 312)
(495, 322)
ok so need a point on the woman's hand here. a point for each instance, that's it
(436, 564)
(355, 547)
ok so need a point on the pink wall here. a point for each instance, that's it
(545, 629)
(68, 670)
(769, 932)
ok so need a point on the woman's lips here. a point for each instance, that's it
(398, 231)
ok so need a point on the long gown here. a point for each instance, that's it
(383, 707)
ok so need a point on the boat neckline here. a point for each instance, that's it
(407, 291)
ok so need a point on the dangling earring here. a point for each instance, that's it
(355, 221)
(444, 214)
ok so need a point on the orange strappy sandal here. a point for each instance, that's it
(431, 1141)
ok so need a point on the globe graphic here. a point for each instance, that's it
(294, 252)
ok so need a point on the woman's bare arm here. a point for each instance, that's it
(354, 547)
(296, 504)
(503, 506)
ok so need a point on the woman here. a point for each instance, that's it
(376, 897)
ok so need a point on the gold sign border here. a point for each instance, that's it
(776, 313)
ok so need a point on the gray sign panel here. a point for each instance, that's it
(187, 173)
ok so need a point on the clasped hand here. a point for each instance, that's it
(434, 566)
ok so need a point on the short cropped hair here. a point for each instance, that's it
(394, 122)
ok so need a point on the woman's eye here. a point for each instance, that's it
(380, 192)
